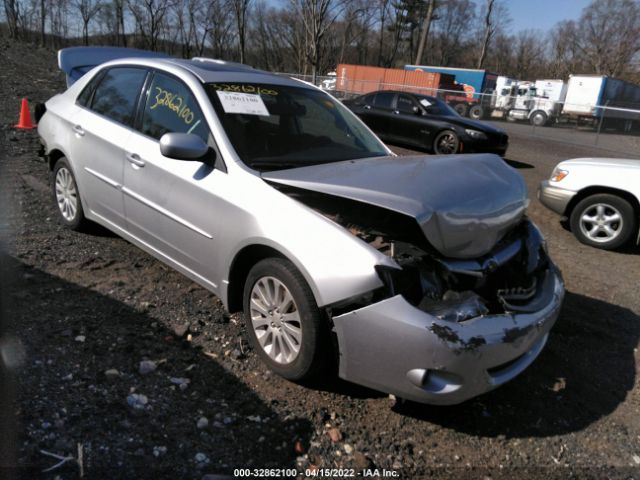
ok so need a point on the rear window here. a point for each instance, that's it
(274, 127)
(116, 95)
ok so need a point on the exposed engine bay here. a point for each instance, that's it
(504, 280)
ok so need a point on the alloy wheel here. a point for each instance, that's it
(601, 222)
(275, 320)
(66, 194)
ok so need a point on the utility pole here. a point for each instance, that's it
(426, 26)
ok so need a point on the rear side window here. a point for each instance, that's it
(84, 99)
(116, 94)
(383, 100)
(171, 107)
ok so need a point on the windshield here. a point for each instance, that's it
(274, 127)
(435, 106)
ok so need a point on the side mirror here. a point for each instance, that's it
(417, 110)
(183, 146)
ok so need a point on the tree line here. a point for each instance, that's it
(312, 36)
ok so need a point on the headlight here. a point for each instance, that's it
(475, 134)
(558, 174)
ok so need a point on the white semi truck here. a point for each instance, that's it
(538, 102)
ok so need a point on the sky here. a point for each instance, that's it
(543, 14)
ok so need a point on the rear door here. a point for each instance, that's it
(170, 204)
(102, 126)
(407, 124)
(381, 113)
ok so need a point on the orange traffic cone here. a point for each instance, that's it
(25, 116)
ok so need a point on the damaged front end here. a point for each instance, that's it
(444, 330)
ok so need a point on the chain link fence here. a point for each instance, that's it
(611, 128)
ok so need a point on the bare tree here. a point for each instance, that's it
(608, 37)
(317, 17)
(451, 37)
(240, 8)
(88, 10)
(12, 14)
(149, 16)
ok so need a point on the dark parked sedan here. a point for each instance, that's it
(426, 122)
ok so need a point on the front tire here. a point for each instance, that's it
(539, 118)
(284, 324)
(67, 196)
(446, 143)
(603, 221)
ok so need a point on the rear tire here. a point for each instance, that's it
(461, 108)
(67, 196)
(477, 112)
(603, 221)
(285, 326)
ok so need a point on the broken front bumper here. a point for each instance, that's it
(394, 347)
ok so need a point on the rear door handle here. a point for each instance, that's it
(367, 107)
(396, 112)
(135, 159)
(79, 130)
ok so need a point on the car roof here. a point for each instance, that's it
(209, 70)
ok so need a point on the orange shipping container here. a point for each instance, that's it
(360, 79)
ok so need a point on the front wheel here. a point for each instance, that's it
(603, 221)
(284, 323)
(446, 143)
(67, 196)
(539, 119)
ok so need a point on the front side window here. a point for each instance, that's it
(116, 95)
(275, 127)
(405, 104)
(171, 107)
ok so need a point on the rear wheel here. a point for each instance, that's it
(461, 109)
(284, 323)
(476, 112)
(446, 143)
(67, 196)
(603, 221)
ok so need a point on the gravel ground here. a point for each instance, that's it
(89, 308)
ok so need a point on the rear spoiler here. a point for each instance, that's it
(76, 61)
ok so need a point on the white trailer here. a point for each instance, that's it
(588, 97)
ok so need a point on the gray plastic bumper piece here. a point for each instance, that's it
(396, 348)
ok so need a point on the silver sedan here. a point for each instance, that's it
(420, 276)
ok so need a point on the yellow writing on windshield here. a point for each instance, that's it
(224, 87)
(175, 103)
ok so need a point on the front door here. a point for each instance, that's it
(168, 203)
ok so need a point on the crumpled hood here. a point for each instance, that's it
(464, 204)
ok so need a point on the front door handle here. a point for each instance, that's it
(79, 130)
(396, 112)
(367, 107)
(135, 159)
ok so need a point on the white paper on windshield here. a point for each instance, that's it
(425, 102)
(245, 103)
